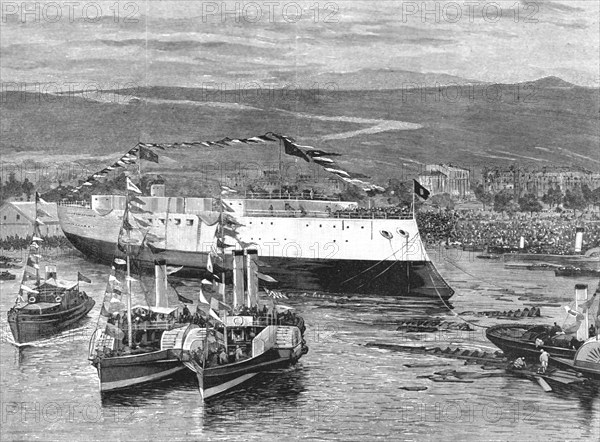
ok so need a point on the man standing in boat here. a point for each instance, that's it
(543, 361)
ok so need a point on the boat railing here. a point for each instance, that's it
(78, 203)
(323, 214)
(287, 196)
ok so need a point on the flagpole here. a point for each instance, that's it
(129, 321)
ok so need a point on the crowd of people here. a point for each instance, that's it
(374, 212)
(13, 242)
(551, 235)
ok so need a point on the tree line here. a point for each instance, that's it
(580, 197)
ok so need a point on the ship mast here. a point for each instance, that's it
(128, 278)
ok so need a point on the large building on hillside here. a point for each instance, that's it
(520, 181)
(446, 178)
(17, 218)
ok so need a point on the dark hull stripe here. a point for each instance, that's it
(390, 278)
(128, 371)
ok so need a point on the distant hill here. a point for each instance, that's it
(538, 123)
(372, 79)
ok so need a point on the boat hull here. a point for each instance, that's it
(28, 327)
(515, 347)
(389, 278)
(220, 379)
(123, 372)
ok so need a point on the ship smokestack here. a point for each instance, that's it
(578, 239)
(160, 282)
(581, 296)
(252, 275)
(238, 278)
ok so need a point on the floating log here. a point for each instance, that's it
(414, 388)
(429, 325)
(497, 358)
(525, 313)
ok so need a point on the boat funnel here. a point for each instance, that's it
(238, 278)
(160, 280)
(578, 239)
(581, 296)
(252, 277)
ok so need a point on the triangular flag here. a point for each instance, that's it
(201, 298)
(214, 315)
(209, 264)
(29, 290)
(171, 270)
(37, 238)
(132, 187)
(83, 278)
(120, 261)
(266, 278)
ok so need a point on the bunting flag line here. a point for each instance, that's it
(142, 151)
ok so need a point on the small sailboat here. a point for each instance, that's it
(250, 340)
(45, 305)
(133, 345)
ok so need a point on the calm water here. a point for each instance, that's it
(340, 390)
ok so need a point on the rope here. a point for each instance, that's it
(448, 307)
(473, 276)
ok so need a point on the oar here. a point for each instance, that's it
(543, 384)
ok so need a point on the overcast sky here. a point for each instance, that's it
(188, 43)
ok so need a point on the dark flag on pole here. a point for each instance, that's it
(292, 149)
(148, 155)
(420, 190)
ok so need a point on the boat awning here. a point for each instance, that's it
(158, 310)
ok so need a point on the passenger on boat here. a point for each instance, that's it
(185, 314)
(543, 361)
(555, 329)
(223, 358)
(239, 354)
(538, 342)
(519, 363)
(592, 331)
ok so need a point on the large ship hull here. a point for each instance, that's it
(309, 253)
(27, 327)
